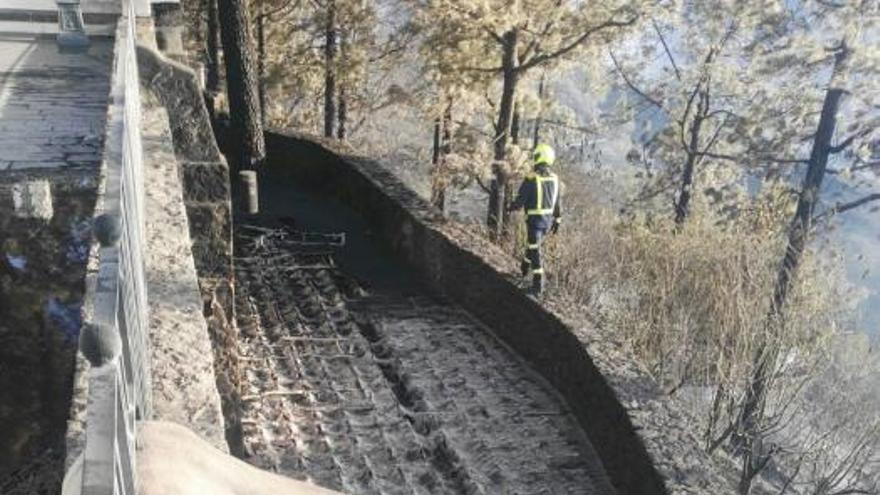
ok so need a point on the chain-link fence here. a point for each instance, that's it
(116, 338)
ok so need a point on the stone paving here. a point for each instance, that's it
(53, 105)
(52, 116)
(390, 393)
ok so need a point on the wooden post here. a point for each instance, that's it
(250, 199)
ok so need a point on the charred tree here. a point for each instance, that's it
(682, 204)
(342, 99)
(330, 30)
(515, 125)
(539, 120)
(749, 438)
(514, 66)
(241, 83)
(212, 54)
(342, 114)
(442, 149)
(496, 218)
(261, 59)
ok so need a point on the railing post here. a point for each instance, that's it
(99, 464)
(141, 8)
(116, 340)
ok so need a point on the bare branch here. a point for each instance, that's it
(544, 57)
(666, 48)
(536, 41)
(713, 140)
(842, 146)
(865, 166)
(726, 113)
(682, 122)
(630, 84)
(270, 13)
(482, 185)
(482, 69)
(495, 36)
(847, 142)
(842, 207)
(739, 159)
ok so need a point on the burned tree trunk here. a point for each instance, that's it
(750, 436)
(342, 118)
(682, 204)
(496, 217)
(515, 125)
(241, 82)
(261, 60)
(539, 120)
(437, 187)
(330, 70)
(442, 148)
(212, 55)
(342, 110)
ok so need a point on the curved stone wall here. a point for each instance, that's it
(477, 275)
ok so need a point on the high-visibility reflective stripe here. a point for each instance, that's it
(534, 246)
(538, 210)
(538, 271)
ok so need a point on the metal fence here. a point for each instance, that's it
(119, 380)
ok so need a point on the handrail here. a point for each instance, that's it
(115, 339)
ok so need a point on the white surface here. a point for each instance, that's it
(88, 6)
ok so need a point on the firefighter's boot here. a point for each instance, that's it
(537, 288)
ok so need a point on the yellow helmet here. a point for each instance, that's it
(544, 155)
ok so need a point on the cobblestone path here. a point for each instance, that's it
(389, 393)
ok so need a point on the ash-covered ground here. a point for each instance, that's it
(355, 378)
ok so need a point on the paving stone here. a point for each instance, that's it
(53, 105)
(390, 393)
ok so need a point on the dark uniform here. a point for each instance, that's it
(539, 197)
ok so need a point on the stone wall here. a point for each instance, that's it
(205, 178)
(610, 398)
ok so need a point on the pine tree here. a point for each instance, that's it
(212, 54)
(242, 84)
(520, 36)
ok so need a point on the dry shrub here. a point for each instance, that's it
(692, 303)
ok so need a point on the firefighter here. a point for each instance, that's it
(539, 197)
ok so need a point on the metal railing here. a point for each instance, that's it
(116, 339)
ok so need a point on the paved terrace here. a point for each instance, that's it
(52, 105)
(52, 118)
